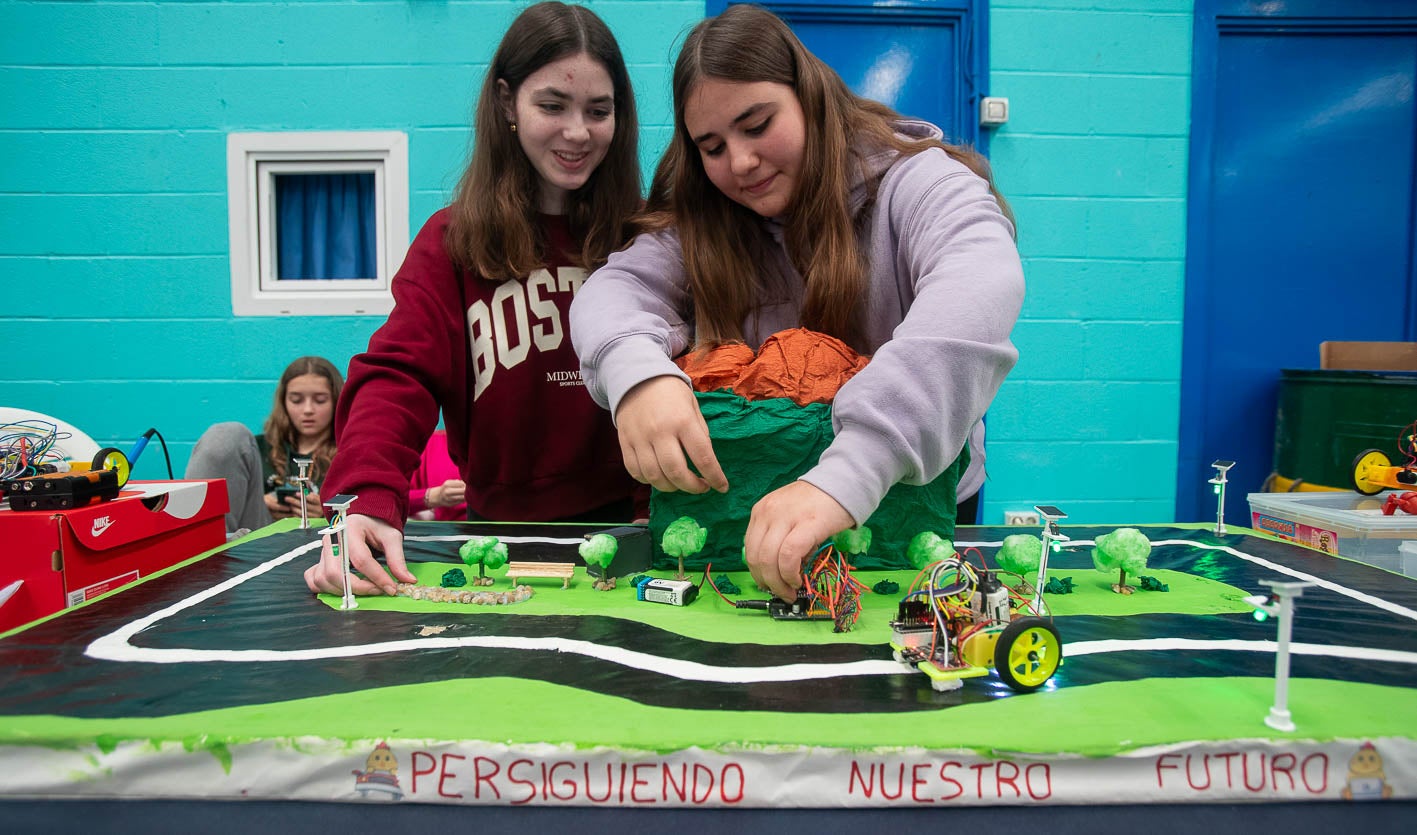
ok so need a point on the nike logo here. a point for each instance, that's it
(101, 524)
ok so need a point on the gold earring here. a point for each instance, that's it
(514, 127)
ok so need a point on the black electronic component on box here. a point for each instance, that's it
(62, 491)
(39, 469)
(633, 551)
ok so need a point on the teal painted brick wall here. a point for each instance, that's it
(113, 241)
(1094, 160)
(113, 205)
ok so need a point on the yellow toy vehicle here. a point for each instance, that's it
(962, 621)
(1373, 473)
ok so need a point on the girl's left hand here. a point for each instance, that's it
(659, 423)
(786, 528)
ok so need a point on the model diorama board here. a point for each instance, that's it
(225, 678)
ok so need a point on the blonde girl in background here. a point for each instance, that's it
(260, 470)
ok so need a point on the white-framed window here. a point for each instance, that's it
(318, 221)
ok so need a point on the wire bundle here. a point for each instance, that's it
(27, 445)
(951, 584)
(949, 593)
(832, 589)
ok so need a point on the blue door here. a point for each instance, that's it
(924, 58)
(1301, 215)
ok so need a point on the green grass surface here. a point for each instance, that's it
(711, 619)
(1095, 721)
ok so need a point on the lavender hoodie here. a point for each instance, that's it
(944, 291)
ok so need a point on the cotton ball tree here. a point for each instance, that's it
(928, 547)
(684, 537)
(1124, 550)
(599, 550)
(1020, 554)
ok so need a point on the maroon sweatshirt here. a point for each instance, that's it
(496, 357)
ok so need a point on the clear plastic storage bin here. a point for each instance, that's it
(1348, 524)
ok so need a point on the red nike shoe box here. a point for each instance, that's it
(63, 558)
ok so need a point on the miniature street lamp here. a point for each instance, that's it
(303, 479)
(1221, 467)
(1052, 540)
(1279, 604)
(337, 506)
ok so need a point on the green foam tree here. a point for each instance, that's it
(497, 557)
(599, 550)
(928, 547)
(1020, 554)
(683, 538)
(1125, 551)
(484, 552)
(853, 541)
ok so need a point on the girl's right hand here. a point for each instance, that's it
(659, 421)
(360, 532)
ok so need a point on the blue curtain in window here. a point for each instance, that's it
(325, 226)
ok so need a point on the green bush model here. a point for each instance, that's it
(683, 538)
(853, 541)
(928, 547)
(599, 550)
(1020, 554)
(1123, 550)
(484, 552)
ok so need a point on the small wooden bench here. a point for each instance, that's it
(564, 570)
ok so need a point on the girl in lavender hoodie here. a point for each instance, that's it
(784, 200)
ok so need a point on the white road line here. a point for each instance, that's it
(1394, 656)
(686, 670)
(1371, 600)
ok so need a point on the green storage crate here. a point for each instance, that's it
(1326, 417)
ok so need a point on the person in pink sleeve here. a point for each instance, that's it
(435, 491)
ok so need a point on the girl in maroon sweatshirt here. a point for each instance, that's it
(479, 326)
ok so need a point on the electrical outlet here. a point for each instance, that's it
(1022, 517)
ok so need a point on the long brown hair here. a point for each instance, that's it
(493, 231)
(280, 433)
(724, 243)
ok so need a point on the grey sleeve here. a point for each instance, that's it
(229, 451)
(630, 318)
(908, 414)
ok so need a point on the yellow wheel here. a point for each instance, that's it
(1368, 466)
(109, 458)
(1028, 654)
